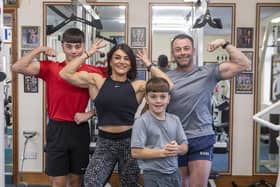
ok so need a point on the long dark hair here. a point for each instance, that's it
(131, 75)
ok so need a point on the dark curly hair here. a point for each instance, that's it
(132, 74)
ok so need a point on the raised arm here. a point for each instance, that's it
(143, 55)
(237, 63)
(82, 78)
(26, 66)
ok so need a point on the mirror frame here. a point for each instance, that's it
(233, 6)
(13, 11)
(256, 130)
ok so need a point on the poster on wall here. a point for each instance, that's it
(138, 36)
(29, 37)
(245, 37)
(30, 84)
(11, 3)
(244, 83)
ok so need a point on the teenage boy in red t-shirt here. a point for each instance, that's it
(67, 132)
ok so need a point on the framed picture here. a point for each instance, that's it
(29, 37)
(141, 74)
(30, 84)
(244, 83)
(249, 55)
(245, 37)
(8, 20)
(11, 3)
(138, 36)
(275, 78)
(25, 51)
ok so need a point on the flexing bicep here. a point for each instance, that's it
(228, 70)
(26, 65)
(32, 68)
(81, 79)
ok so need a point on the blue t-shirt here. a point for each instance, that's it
(191, 98)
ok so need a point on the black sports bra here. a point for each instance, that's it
(116, 103)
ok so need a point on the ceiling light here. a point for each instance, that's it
(171, 8)
(190, 1)
(275, 20)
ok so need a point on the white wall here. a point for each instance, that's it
(30, 105)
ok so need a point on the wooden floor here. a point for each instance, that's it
(222, 181)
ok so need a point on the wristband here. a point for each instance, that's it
(150, 66)
(87, 54)
(225, 45)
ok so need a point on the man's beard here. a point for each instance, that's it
(187, 62)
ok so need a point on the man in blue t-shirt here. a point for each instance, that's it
(191, 101)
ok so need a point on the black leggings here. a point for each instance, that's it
(107, 154)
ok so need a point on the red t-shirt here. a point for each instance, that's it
(64, 99)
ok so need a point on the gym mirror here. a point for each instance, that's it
(112, 27)
(10, 95)
(167, 20)
(266, 84)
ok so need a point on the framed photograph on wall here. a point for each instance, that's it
(244, 83)
(275, 78)
(30, 84)
(11, 3)
(8, 20)
(138, 36)
(141, 74)
(249, 55)
(245, 37)
(30, 37)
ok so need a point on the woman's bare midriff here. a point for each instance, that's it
(115, 129)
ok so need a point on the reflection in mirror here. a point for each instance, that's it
(111, 27)
(267, 77)
(113, 17)
(169, 20)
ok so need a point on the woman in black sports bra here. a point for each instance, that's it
(116, 100)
